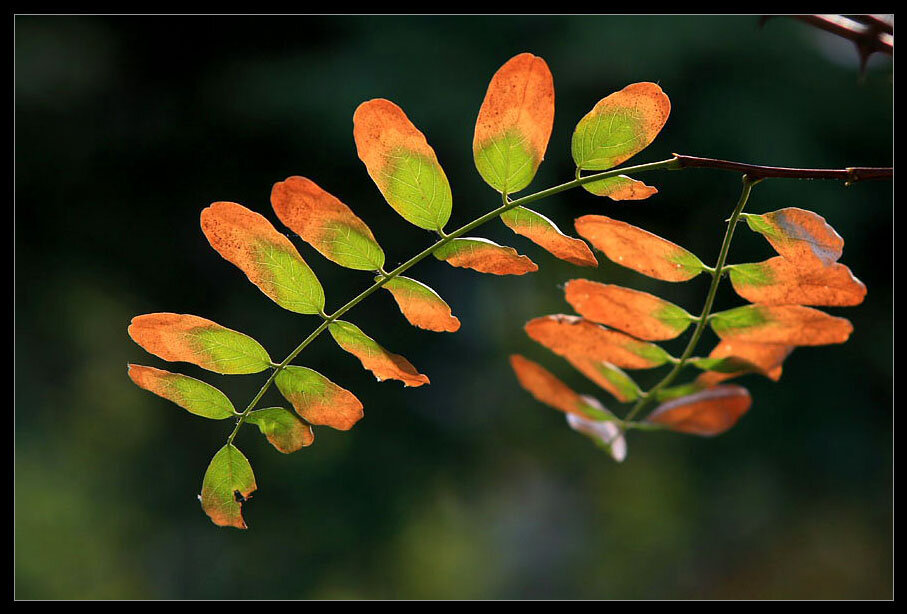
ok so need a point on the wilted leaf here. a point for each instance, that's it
(193, 395)
(605, 433)
(402, 164)
(620, 188)
(285, 431)
(708, 412)
(780, 324)
(228, 482)
(779, 281)
(800, 236)
(514, 123)
(573, 337)
(639, 249)
(317, 399)
(606, 376)
(326, 224)
(268, 259)
(485, 256)
(373, 357)
(640, 314)
(548, 389)
(421, 305)
(620, 126)
(187, 338)
(734, 358)
(542, 231)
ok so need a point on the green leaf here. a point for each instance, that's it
(228, 482)
(317, 399)
(195, 396)
(285, 431)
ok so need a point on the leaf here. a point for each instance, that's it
(708, 412)
(228, 482)
(485, 256)
(620, 126)
(639, 249)
(326, 224)
(195, 396)
(569, 336)
(317, 399)
(779, 281)
(187, 338)
(285, 431)
(780, 324)
(402, 164)
(548, 389)
(373, 357)
(514, 123)
(606, 434)
(542, 231)
(800, 236)
(421, 305)
(607, 376)
(268, 259)
(735, 358)
(640, 314)
(620, 187)
(674, 392)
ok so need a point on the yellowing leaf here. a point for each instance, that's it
(548, 389)
(187, 338)
(734, 358)
(780, 324)
(639, 249)
(542, 231)
(709, 412)
(620, 188)
(317, 399)
(485, 256)
(606, 376)
(779, 281)
(326, 224)
(402, 164)
(620, 126)
(384, 364)
(228, 482)
(514, 123)
(800, 236)
(640, 314)
(572, 337)
(421, 305)
(193, 395)
(285, 431)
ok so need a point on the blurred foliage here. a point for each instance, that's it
(127, 127)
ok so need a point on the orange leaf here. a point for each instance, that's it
(384, 364)
(543, 232)
(421, 305)
(317, 399)
(639, 249)
(620, 188)
(545, 386)
(485, 256)
(800, 236)
(607, 376)
(780, 324)
(761, 358)
(779, 281)
(709, 412)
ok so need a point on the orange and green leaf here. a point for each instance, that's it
(607, 376)
(385, 365)
(195, 396)
(421, 306)
(485, 256)
(620, 187)
(326, 224)
(708, 412)
(547, 388)
(779, 281)
(317, 399)
(228, 482)
(267, 257)
(283, 430)
(543, 232)
(781, 325)
(800, 236)
(731, 359)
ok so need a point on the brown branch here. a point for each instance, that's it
(866, 38)
(873, 22)
(848, 175)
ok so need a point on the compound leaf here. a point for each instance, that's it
(195, 396)
(421, 306)
(228, 482)
(384, 364)
(780, 324)
(779, 281)
(485, 256)
(543, 232)
(317, 399)
(708, 412)
(285, 431)
(800, 236)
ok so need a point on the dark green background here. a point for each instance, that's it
(127, 127)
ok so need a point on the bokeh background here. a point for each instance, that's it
(127, 127)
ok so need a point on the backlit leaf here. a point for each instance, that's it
(514, 123)
(620, 126)
(193, 395)
(547, 388)
(607, 376)
(542, 231)
(268, 259)
(620, 188)
(800, 236)
(735, 358)
(780, 324)
(708, 412)
(373, 357)
(485, 256)
(605, 433)
(682, 390)
(187, 338)
(317, 399)
(640, 314)
(285, 431)
(639, 249)
(421, 305)
(779, 281)
(228, 482)
(326, 224)
(402, 164)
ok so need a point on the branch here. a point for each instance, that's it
(867, 38)
(849, 175)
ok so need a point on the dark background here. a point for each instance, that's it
(127, 127)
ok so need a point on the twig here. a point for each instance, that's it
(848, 175)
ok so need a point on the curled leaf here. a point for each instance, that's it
(402, 164)
(708, 412)
(800, 236)
(639, 249)
(779, 281)
(384, 364)
(195, 396)
(317, 399)
(620, 188)
(228, 482)
(326, 224)
(485, 256)
(780, 324)
(187, 338)
(285, 431)
(421, 306)
(605, 433)
(735, 358)
(514, 123)
(640, 314)
(548, 389)
(268, 259)
(607, 376)
(543, 232)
